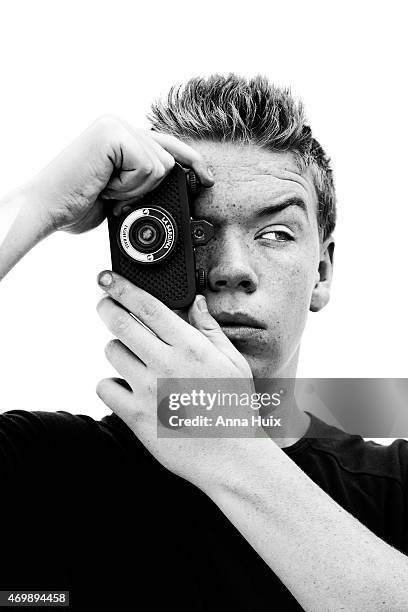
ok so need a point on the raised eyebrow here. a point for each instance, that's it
(272, 209)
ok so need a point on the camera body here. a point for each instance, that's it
(152, 241)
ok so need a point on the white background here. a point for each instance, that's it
(65, 63)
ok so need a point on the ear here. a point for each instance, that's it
(321, 290)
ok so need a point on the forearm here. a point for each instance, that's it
(22, 226)
(327, 559)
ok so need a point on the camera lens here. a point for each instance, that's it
(146, 235)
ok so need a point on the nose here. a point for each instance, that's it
(229, 265)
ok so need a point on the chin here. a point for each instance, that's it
(271, 363)
(261, 368)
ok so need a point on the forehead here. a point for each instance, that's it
(250, 175)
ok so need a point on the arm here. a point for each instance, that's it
(22, 228)
(109, 161)
(327, 559)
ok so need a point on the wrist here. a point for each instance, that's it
(34, 210)
(247, 463)
(23, 227)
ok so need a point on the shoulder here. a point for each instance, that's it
(24, 426)
(367, 479)
(27, 438)
(358, 456)
(43, 423)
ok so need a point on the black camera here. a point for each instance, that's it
(153, 241)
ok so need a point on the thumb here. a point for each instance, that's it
(201, 319)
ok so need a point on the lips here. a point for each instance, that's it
(240, 327)
(245, 331)
(237, 319)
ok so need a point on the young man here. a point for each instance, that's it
(315, 519)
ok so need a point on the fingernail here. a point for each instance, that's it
(210, 173)
(201, 303)
(105, 279)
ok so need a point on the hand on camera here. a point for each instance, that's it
(176, 351)
(109, 161)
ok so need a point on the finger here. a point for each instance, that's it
(139, 169)
(154, 163)
(165, 157)
(148, 173)
(152, 312)
(117, 398)
(162, 162)
(201, 319)
(155, 149)
(128, 365)
(186, 155)
(117, 208)
(141, 342)
(166, 160)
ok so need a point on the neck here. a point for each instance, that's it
(293, 422)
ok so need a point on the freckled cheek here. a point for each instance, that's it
(286, 300)
(292, 272)
(287, 287)
(299, 284)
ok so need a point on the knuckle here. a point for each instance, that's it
(211, 329)
(193, 353)
(120, 323)
(168, 162)
(160, 171)
(120, 289)
(150, 310)
(146, 169)
(108, 120)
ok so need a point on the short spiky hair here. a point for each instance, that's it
(236, 109)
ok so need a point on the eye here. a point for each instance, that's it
(277, 235)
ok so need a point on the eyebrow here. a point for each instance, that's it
(272, 209)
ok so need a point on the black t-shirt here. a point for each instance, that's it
(86, 508)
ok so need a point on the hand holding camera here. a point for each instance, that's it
(111, 161)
